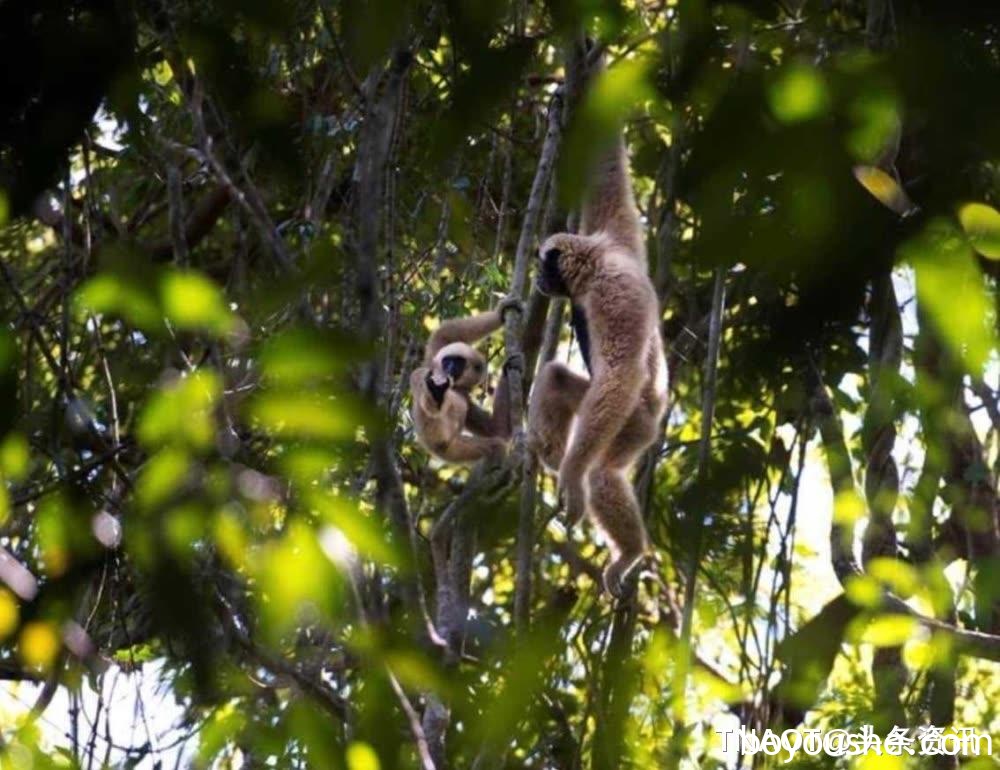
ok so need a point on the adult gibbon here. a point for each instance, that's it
(592, 430)
(442, 409)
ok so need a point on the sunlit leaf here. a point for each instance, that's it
(14, 457)
(39, 644)
(230, 537)
(612, 96)
(184, 526)
(182, 412)
(162, 73)
(4, 208)
(223, 726)
(982, 224)
(886, 189)
(119, 295)
(878, 761)
(305, 415)
(295, 578)
(889, 630)
(302, 355)
(366, 534)
(864, 591)
(192, 301)
(9, 613)
(799, 93)
(876, 124)
(951, 290)
(361, 756)
(161, 476)
(897, 575)
(848, 508)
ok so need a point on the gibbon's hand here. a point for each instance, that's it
(507, 304)
(573, 494)
(437, 389)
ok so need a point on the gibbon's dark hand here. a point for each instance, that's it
(507, 304)
(436, 389)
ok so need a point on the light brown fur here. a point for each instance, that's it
(441, 430)
(593, 430)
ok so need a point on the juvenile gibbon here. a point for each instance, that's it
(440, 389)
(592, 430)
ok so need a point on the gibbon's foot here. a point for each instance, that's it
(514, 361)
(507, 304)
(617, 577)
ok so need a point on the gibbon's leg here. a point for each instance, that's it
(615, 510)
(469, 449)
(555, 398)
(613, 504)
(610, 401)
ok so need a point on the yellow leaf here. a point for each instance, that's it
(39, 644)
(848, 507)
(890, 630)
(885, 189)
(900, 577)
(9, 613)
(982, 224)
(361, 756)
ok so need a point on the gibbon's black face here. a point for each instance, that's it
(454, 366)
(550, 280)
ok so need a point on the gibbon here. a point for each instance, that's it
(442, 409)
(592, 430)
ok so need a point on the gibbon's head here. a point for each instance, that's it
(463, 364)
(566, 262)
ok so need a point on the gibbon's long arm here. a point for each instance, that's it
(468, 330)
(609, 204)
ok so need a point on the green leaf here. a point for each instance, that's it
(164, 473)
(798, 94)
(982, 224)
(301, 355)
(306, 415)
(182, 413)
(192, 301)
(296, 577)
(344, 519)
(613, 95)
(15, 457)
(118, 295)
(951, 290)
